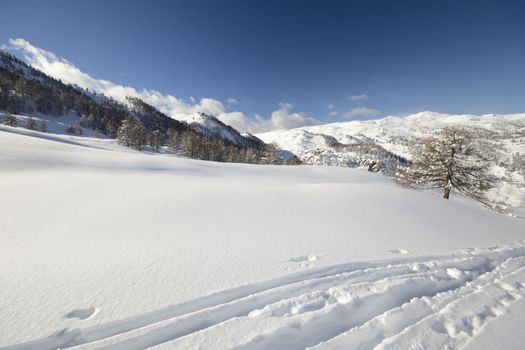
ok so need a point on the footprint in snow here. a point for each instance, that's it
(83, 314)
(305, 260)
(399, 251)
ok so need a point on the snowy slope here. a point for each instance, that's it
(106, 246)
(392, 132)
(392, 136)
(214, 128)
(108, 117)
(55, 125)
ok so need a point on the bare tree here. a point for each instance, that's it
(452, 159)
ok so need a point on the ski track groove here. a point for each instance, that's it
(376, 333)
(367, 304)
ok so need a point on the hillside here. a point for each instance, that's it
(103, 245)
(27, 91)
(378, 145)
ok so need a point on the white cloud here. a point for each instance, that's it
(332, 111)
(66, 71)
(281, 119)
(360, 111)
(361, 97)
(62, 69)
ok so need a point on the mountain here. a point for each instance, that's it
(213, 128)
(392, 133)
(383, 144)
(63, 108)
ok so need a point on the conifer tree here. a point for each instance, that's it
(131, 134)
(43, 126)
(173, 139)
(10, 120)
(30, 123)
(74, 129)
(155, 140)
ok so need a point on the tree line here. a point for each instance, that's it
(137, 125)
(191, 144)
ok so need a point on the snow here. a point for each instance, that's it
(395, 134)
(502, 334)
(207, 123)
(389, 131)
(107, 247)
(55, 125)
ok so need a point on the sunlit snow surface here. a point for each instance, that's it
(104, 246)
(505, 133)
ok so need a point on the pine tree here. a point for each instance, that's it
(30, 123)
(124, 133)
(74, 129)
(173, 139)
(186, 144)
(10, 120)
(43, 126)
(138, 135)
(155, 140)
(452, 159)
(13, 104)
(131, 134)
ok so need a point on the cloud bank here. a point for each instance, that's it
(173, 106)
(332, 110)
(358, 97)
(360, 111)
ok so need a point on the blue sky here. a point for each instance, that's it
(394, 57)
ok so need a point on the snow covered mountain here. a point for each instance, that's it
(26, 90)
(393, 133)
(381, 145)
(212, 127)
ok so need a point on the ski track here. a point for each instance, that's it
(431, 302)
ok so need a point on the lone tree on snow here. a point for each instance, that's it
(10, 120)
(452, 159)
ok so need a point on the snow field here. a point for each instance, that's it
(104, 246)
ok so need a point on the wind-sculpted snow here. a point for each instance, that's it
(423, 302)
